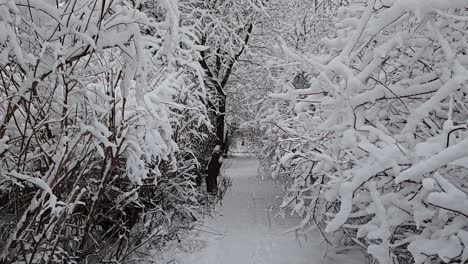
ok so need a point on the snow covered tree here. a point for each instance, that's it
(95, 116)
(375, 146)
(224, 29)
(299, 25)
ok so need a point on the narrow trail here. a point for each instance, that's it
(245, 231)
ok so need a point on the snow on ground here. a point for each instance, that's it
(244, 231)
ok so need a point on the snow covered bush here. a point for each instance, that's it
(300, 27)
(376, 146)
(97, 102)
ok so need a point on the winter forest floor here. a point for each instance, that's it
(243, 230)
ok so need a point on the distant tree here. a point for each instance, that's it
(224, 28)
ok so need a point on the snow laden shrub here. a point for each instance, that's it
(299, 25)
(95, 113)
(376, 148)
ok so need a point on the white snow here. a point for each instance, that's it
(346, 193)
(244, 229)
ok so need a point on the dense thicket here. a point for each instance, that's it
(100, 101)
(110, 111)
(374, 145)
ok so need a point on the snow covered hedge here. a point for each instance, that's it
(97, 103)
(376, 148)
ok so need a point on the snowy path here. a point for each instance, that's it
(244, 232)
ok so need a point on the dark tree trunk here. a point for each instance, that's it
(215, 165)
(220, 123)
(218, 79)
(213, 170)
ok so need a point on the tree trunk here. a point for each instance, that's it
(213, 170)
(221, 123)
(215, 165)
